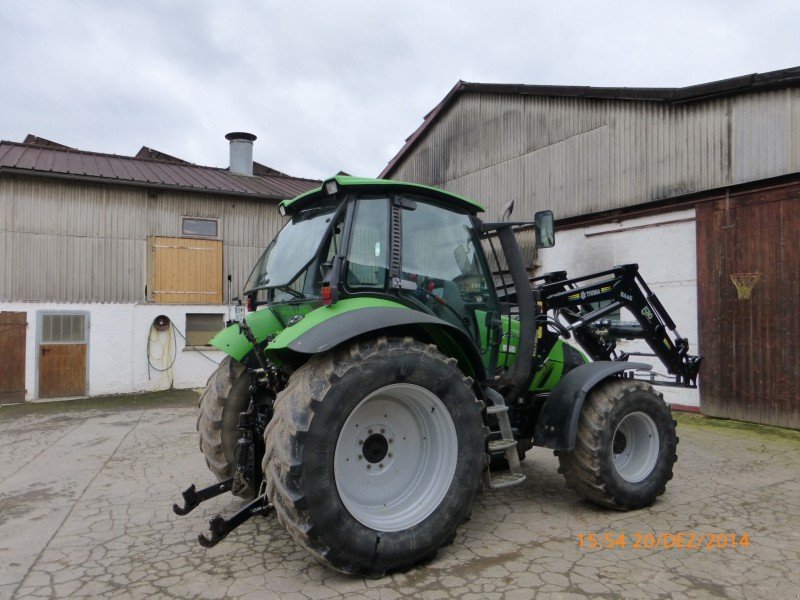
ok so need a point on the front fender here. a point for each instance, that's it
(557, 425)
(232, 341)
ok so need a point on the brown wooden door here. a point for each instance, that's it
(13, 329)
(751, 369)
(62, 370)
(184, 271)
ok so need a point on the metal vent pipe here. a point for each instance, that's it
(241, 152)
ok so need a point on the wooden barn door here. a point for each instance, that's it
(63, 350)
(751, 369)
(13, 329)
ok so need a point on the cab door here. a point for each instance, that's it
(442, 255)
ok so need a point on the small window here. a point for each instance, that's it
(201, 327)
(64, 329)
(197, 227)
(369, 245)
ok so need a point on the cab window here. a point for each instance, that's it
(368, 256)
(440, 255)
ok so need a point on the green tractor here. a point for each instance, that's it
(385, 373)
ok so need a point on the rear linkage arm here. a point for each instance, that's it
(220, 526)
(249, 424)
(192, 497)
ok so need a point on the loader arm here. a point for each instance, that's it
(623, 287)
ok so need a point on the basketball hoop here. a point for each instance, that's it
(744, 282)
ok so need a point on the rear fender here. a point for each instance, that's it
(327, 327)
(325, 331)
(557, 425)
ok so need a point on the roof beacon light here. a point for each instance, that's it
(282, 210)
(331, 187)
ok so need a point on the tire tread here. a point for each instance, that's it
(583, 467)
(294, 408)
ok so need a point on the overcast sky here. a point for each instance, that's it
(329, 86)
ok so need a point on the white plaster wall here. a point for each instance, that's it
(118, 341)
(664, 248)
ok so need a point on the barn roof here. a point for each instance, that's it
(755, 82)
(148, 169)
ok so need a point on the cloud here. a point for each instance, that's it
(340, 85)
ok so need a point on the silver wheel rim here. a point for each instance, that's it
(635, 447)
(395, 457)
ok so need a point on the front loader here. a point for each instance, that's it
(384, 374)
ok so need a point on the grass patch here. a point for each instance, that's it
(699, 421)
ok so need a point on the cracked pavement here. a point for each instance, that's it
(86, 491)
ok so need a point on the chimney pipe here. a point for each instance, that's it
(241, 152)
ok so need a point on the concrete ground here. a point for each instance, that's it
(86, 490)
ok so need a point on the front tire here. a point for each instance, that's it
(625, 450)
(374, 455)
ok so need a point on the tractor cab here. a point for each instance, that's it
(353, 238)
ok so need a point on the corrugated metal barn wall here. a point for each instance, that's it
(69, 241)
(579, 155)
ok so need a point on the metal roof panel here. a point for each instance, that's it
(146, 171)
(755, 82)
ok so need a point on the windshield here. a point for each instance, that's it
(292, 249)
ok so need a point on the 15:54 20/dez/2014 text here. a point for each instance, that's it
(683, 540)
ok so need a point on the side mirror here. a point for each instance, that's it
(462, 259)
(545, 229)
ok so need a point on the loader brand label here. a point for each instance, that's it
(627, 297)
(647, 313)
(589, 293)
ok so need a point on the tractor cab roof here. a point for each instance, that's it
(365, 185)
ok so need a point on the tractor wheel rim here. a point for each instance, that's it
(395, 457)
(635, 447)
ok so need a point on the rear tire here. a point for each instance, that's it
(625, 450)
(226, 395)
(388, 498)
